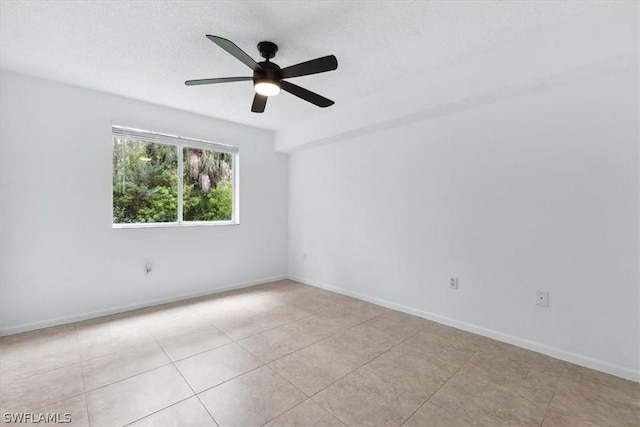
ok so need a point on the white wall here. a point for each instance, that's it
(60, 258)
(538, 190)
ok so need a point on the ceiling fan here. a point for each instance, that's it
(268, 76)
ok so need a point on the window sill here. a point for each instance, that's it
(174, 224)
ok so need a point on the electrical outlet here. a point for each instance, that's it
(147, 267)
(453, 283)
(542, 298)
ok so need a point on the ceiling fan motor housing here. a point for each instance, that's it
(269, 72)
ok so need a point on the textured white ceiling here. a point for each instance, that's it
(146, 49)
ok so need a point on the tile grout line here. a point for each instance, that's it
(270, 329)
(356, 369)
(494, 384)
(58, 401)
(475, 353)
(187, 382)
(154, 340)
(292, 385)
(110, 353)
(130, 376)
(231, 379)
(68, 365)
(84, 384)
(311, 314)
(438, 389)
(159, 410)
(305, 394)
(555, 389)
(290, 409)
(146, 371)
(338, 333)
(368, 361)
(55, 368)
(530, 399)
(198, 353)
(208, 324)
(84, 389)
(83, 393)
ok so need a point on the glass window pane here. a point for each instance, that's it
(207, 185)
(145, 182)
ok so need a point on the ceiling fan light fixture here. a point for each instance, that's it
(268, 77)
(267, 87)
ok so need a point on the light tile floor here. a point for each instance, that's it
(286, 354)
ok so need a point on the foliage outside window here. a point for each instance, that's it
(170, 180)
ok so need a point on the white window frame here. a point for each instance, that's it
(181, 142)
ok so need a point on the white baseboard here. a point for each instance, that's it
(568, 356)
(10, 330)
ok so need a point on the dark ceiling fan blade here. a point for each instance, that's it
(305, 94)
(259, 102)
(234, 50)
(318, 65)
(219, 80)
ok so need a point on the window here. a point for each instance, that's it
(161, 179)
